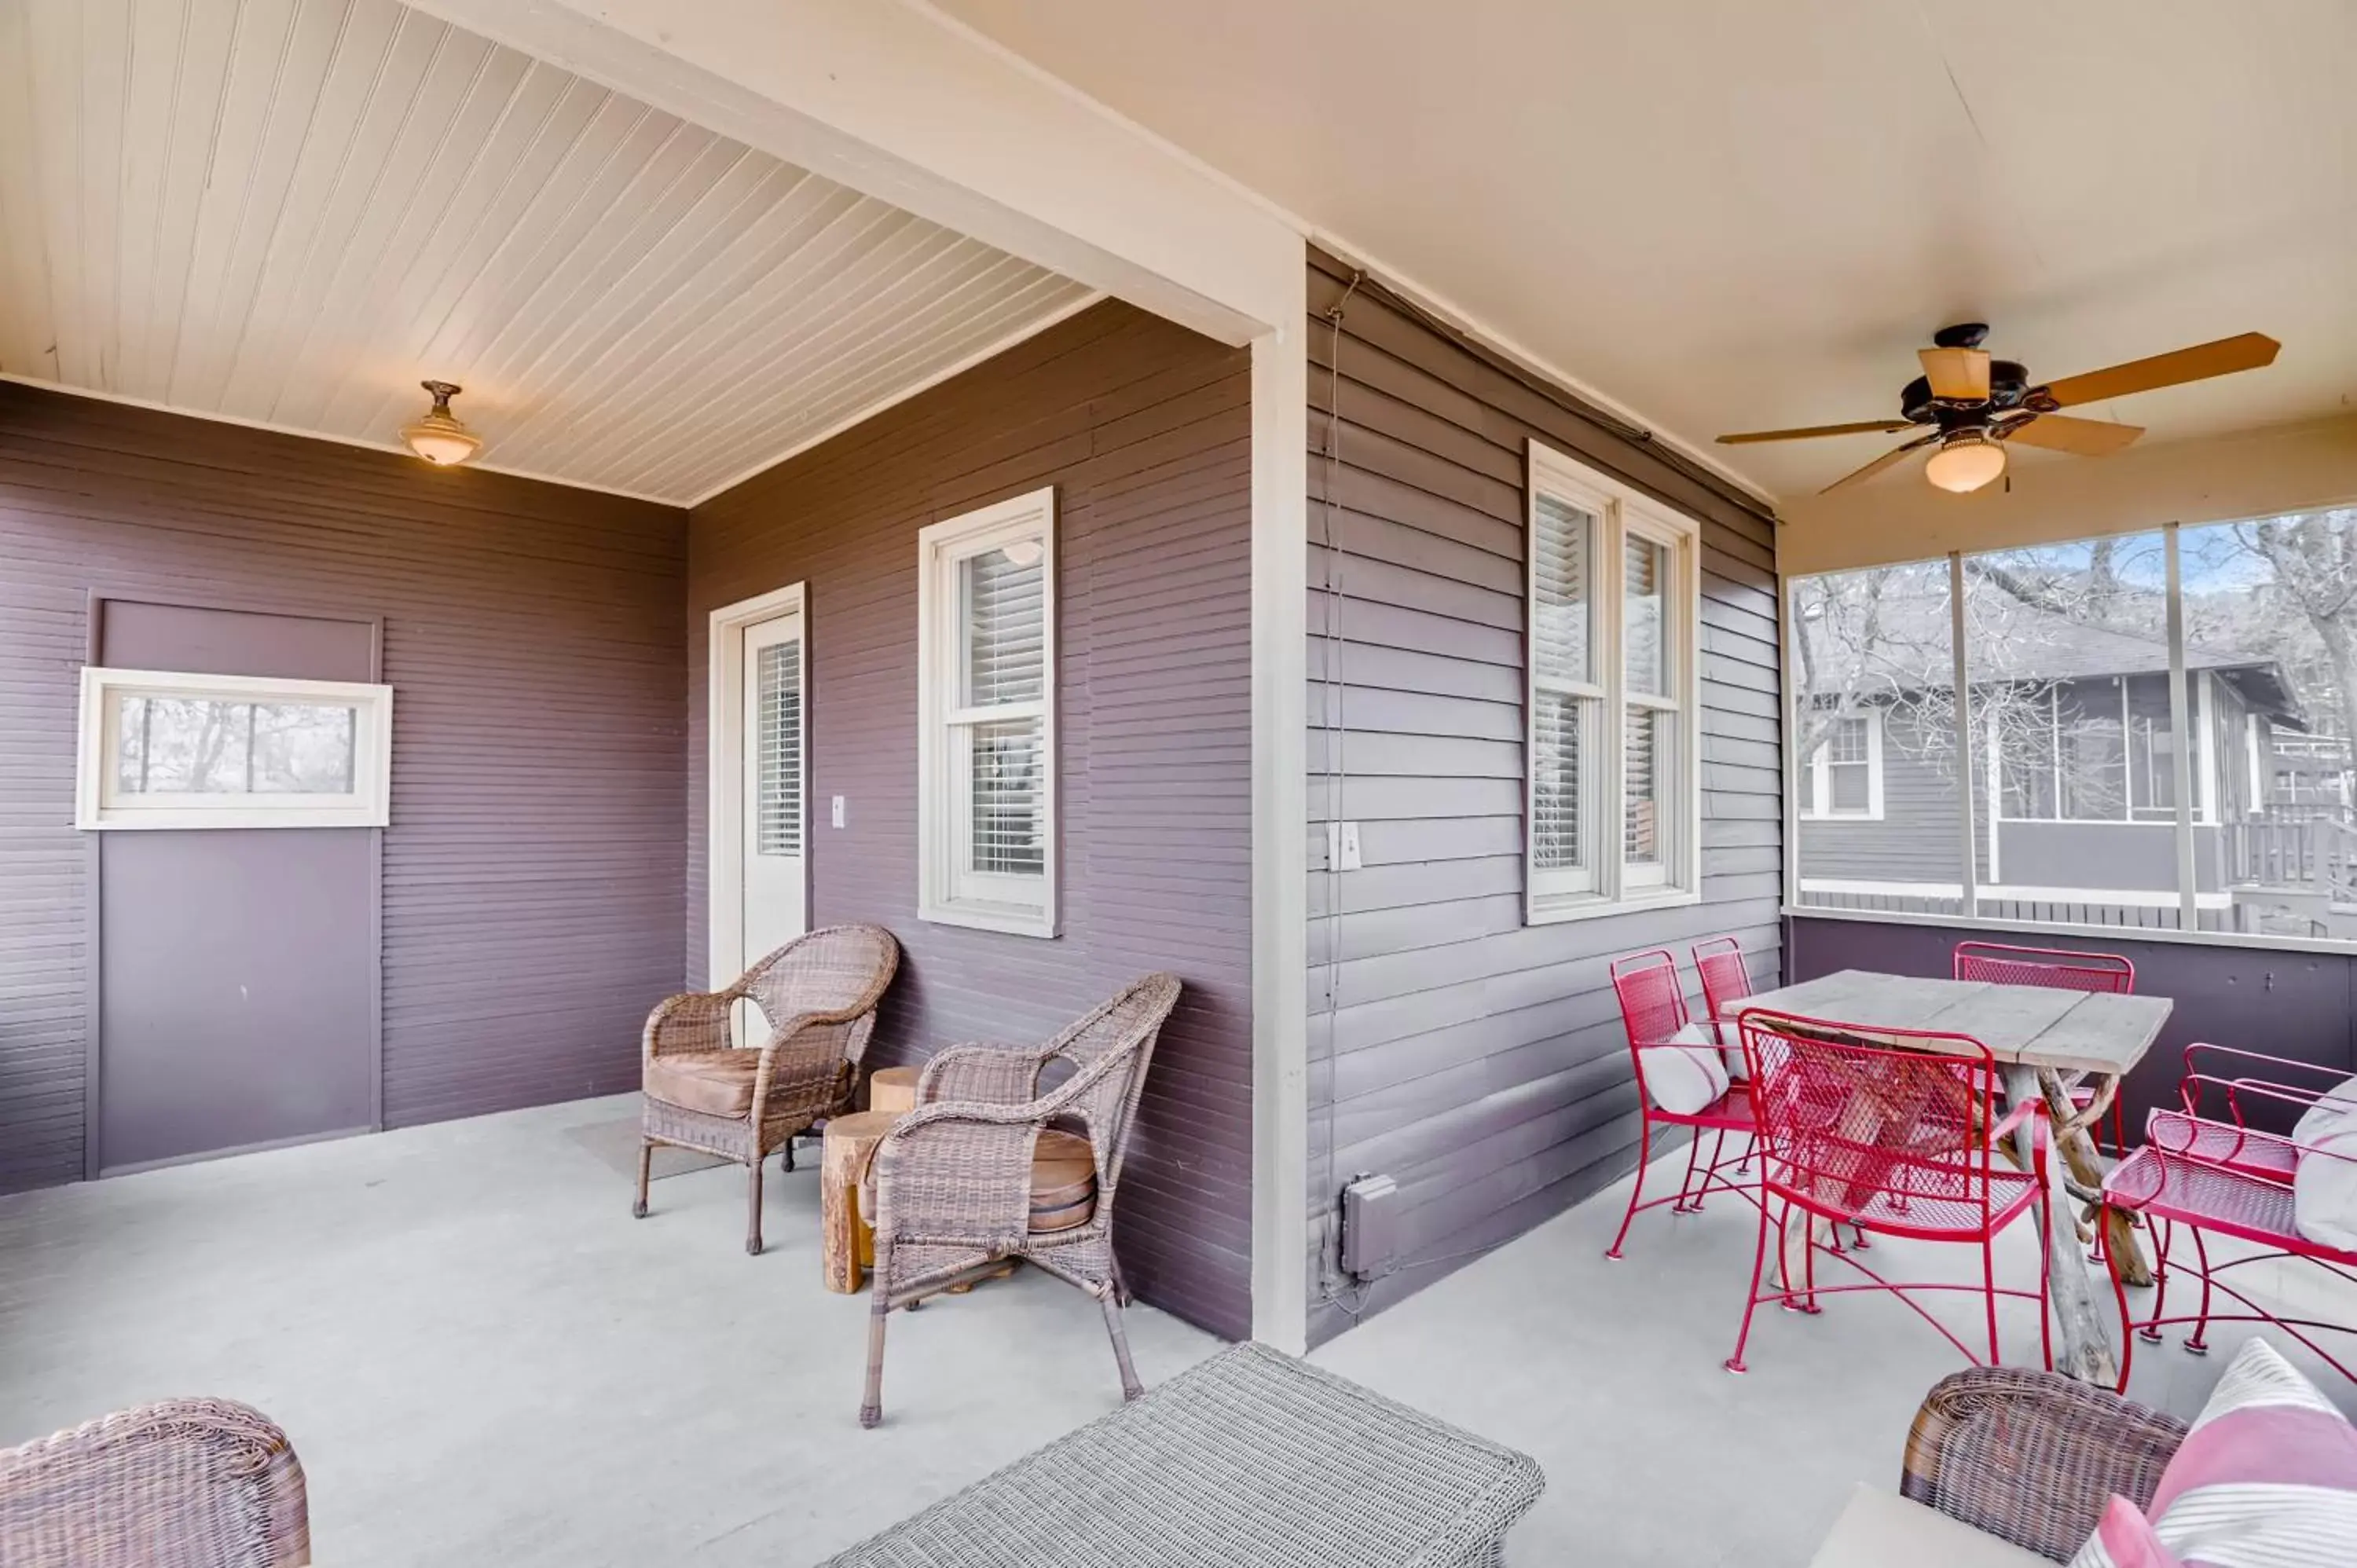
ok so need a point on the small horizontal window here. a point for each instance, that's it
(166, 749)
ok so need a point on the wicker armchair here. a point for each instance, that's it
(818, 994)
(2032, 1456)
(183, 1484)
(950, 1183)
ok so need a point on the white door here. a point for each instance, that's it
(771, 909)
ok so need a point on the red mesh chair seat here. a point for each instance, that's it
(2242, 1149)
(2173, 1184)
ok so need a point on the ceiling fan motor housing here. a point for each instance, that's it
(2009, 382)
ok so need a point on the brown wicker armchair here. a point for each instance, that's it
(818, 994)
(182, 1484)
(951, 1183)
(2032, 1456)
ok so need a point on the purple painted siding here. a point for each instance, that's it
(533, 902)
(1477, 1061)
(2297, 1004)
(1144, 429)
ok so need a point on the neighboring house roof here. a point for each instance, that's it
(2040, 645)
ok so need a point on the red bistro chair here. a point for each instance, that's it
(1898, 1141)
(1725, 979)
(2057, 969)
(1654, 1010)
(2214, 1179)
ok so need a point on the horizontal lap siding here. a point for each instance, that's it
(1480, 1062)
(1144, 429)
(532, 873)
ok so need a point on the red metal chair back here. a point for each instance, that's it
(1653, 999)
(2058, 969)
(1724, 978)
(1892, 1136)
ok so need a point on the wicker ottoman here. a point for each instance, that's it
(1251, 1459)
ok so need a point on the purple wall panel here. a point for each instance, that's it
(532, 905)
(1144, 429)
(2296, 1004)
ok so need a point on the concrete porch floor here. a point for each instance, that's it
(483, 1358)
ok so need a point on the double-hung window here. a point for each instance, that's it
(1844, 776)
(1612, 814)
(986, 700)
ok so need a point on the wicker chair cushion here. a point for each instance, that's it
(717, 1083)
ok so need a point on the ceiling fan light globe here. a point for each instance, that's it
(1964, 464)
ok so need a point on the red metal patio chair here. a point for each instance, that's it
(1897, 1140)
(2206, 1176)
(2057, 969)
(1654, 1010)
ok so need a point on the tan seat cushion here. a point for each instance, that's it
(1880, 1529)
(1063, 1183)
(717, 1083)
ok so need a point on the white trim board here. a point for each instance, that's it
(2055, 928)
(723, 826)
(2125, 897)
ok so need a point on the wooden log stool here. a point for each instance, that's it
(893, 1088)
(847, 1241)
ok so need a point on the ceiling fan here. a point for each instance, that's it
(1974, 405)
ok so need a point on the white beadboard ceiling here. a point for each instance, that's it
(290, 211)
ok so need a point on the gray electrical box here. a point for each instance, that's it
(1370, 1227)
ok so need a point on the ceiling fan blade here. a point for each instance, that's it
(1961, 374)
(1807, 432)
(2223, 358)
(1859, 475)
(2063, 432)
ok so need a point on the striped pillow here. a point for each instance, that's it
(2266, 1478)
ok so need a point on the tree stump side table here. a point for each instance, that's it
(893, 1088)
(847, 1240)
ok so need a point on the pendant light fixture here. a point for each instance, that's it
(438, 438)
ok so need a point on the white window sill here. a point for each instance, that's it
(1011, 921)
(1841, 816)
(1562, 907)
(118, 819)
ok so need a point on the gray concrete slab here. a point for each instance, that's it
(482, 1359)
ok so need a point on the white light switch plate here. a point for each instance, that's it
(1342, 846)
(837, 817)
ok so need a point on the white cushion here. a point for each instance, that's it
(1879, 1531)
(2332, 1110)
(1685, 1073)
(2323, 1188)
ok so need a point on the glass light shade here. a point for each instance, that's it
(439, 438)
(1965, 463)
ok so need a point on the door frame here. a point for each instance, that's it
(724, 772)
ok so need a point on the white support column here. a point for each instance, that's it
(1280, 685)
(1961, 664)
(2189, 909)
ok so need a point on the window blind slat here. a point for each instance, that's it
(1006, 628)
(1562, 591)
(779, 754)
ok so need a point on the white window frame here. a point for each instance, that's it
(948, 893)
(98, 805)
(1608, 885)
(1821, 766)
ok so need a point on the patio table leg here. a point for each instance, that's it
(2075, 1143)
(2082, 1350)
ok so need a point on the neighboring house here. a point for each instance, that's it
(2075, 742)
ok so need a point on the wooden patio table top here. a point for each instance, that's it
(2064, 1031)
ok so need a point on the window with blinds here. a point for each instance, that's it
(986, 743)
(778, 757)
(1613, 607)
